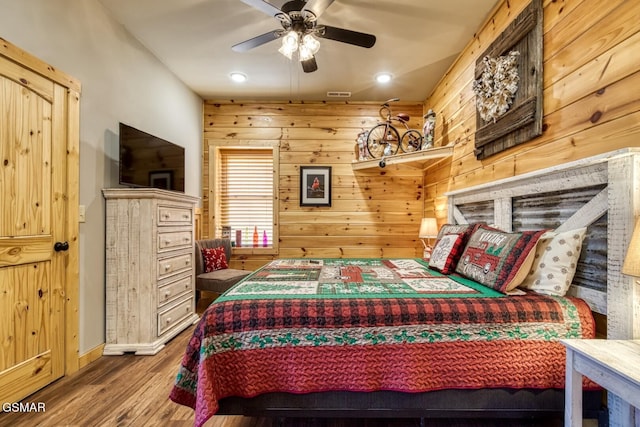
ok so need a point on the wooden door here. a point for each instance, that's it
(34, 130)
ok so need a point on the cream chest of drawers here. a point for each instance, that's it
(150, 268)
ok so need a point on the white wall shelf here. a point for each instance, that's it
(419, 159)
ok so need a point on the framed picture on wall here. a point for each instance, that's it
(315, 185)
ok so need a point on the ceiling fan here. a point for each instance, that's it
(300, 30)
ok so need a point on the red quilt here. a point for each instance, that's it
(303, 343)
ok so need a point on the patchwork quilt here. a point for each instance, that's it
(313, 325)
(353, 278)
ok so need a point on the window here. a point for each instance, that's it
(244, 193)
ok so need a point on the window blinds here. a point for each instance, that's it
(246, 194)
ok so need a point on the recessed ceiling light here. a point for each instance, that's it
(238, 77)
(383, 78)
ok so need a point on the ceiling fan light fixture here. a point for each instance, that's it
(301, 31)
(306, 45)
(286, 52)
(304, 54)
(289, 44)
(311, 43)
(290, 41)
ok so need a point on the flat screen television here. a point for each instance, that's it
(149, 161)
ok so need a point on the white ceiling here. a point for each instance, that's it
(417, 41)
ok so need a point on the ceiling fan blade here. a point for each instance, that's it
(316, 7)
(346, 36)
(257, 41)
(270, 10)
(310, 65)
(263, 6)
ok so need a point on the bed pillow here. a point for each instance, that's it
(455, 229)
(446, 253)
(214, 259)
(451, 250)
(497, 259)
(555, 261)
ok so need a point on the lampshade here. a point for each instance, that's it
(428, 228)
(289, 44)
(311, 43)
(304, 53)
(291, 40)
(631, 264)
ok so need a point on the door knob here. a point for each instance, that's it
(61, 246)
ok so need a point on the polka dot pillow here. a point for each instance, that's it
(214, 259)
(555, 262)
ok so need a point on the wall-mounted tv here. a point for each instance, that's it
(149, 161)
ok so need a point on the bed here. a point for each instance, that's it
(349, 337)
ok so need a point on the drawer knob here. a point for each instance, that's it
(168, 320)
(187, 262)
(167, 242)
(167, 294)
(167, 267)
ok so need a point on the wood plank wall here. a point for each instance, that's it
(591, 103)
(374, 213)
(591, 76)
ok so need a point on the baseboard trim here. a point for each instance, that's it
(91, 356)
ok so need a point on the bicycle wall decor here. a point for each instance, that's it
(384, 138)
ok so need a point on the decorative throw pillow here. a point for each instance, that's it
(555, 262)
(497, 259)
(455, 229)
(446, 253)
(214, 259)
(464, 230)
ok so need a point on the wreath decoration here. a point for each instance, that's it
(496, 87)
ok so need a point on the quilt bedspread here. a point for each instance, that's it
(364, 325)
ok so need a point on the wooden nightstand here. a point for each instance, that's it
(613, 364)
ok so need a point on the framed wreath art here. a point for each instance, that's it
(508, 85)
(497, 85)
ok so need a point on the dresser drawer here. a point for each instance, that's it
(174, 290)
(175, 264)
(172, 316)
(175, 240)
(174, 216)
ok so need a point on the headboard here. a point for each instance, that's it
(601, 193)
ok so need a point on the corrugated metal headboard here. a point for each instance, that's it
(600, 193)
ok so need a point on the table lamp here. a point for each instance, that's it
(631, 266)
(428, 230)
